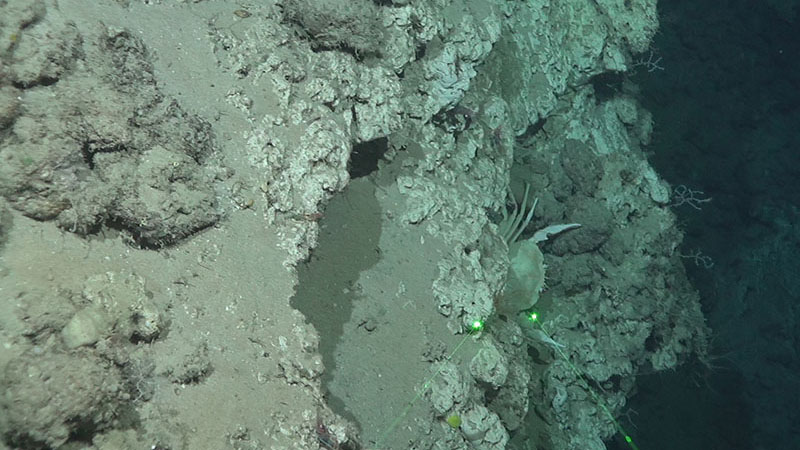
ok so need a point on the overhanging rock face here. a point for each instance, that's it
(199, 158)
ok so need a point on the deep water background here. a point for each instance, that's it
(726, 109)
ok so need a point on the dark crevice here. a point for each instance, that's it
(365, 156)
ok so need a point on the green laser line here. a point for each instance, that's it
(580, 375)
(476, 326)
